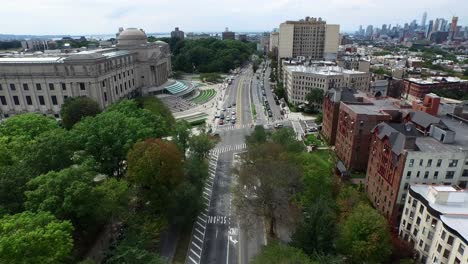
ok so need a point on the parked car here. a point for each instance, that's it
(233, 113)
(312, 129)
(278, 125)
(270, 114)
(221, 122)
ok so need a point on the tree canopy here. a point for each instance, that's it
(34, 238)
(75, 108)
(281, 254)
(209, 55)
(365, 236)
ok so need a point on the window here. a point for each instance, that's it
(418, 221)
(461, 249)
(408, 175)
(439, 162)
(25, 87)
(38, 86)
(453, 163)
(444, 234)
(439, 248)
(426, 248)
(41, 100)
(115, 78)
(411, 162)
(103, 83)
(426, 174)
(421, 161)
(12, 87)
(120, 76)
(28, 100)
(446, 253)
(429, 162)
(421, 209)
(449, 174)
(65, 97)
(436, 174)
(82, 86)
(54, 99)
(417, 174)
(3, 100)
(421, 243)
(1, 88)
(450, 240)
(415, 232)
(64, 86)
(51, 86)
(406, 186)
(105, 96)
(16, 100)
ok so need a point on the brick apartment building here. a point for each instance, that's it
(418, 88)
(430, 104)
(423, 149)
(348, 118)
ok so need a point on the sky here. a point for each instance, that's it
(85, 17)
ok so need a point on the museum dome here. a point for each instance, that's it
(132, 36)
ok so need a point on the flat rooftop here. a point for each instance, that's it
(321, 70)
(59, 57)
(436, 80)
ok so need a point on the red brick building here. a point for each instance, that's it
(355, 122)
(386, 164)
(429, 105)
(331, 108)
(418, 88)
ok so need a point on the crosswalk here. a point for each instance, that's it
(231, 127)
(222, 149)
(195, 249)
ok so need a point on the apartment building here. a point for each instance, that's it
(422, 149)
(435, 222)
(415, 88)
(310, 37)
(299, 80)
(30, 83)
(355, 123)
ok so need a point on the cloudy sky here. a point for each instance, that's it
(105, 16)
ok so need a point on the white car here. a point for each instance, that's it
(233, 113)
(278, 125)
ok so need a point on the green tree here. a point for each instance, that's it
(281, 254)
(287, 138)
(182, 135)
(34, 238)
(263, 190)
(258, 136)
(75, 194)
(165, 119)
(365, 236)
(28, 125)
(314, 99)
(135, 255)
(201, 145)
(76, 108)
(155, 169)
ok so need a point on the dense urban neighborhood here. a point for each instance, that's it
(303, 144)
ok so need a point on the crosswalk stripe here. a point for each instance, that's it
(201, 219)
(196, 229)
(197, 246)
(193, 260)
(201, 225)
(193, 251)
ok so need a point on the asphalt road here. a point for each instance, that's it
(217, 236)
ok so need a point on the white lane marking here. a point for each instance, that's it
(201, 225)
(197, 246)
(198, 238)
(193, 251)
(196, 229)
(193, 260)
(205, 192)
(201, 219)
(208, 189)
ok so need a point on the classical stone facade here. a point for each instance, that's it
(39, 83)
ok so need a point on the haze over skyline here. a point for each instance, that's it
(76, 17)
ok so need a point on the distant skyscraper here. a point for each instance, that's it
(384, 29)
(443, 25)
(369, 30)
(453, 28)
(435, 28)
(177, 34)
(423, 20)
(429, 28)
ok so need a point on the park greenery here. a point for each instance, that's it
(63, 185)
(331, 221)
(208, 54)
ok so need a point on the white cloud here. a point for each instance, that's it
(105, 16)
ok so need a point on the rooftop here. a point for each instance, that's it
(435, 80)
(451, 203)
(322, 70)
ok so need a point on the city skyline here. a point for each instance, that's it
(105, 16)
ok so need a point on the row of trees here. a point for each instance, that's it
(62, 184)
(208, 54)
(294, 190)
